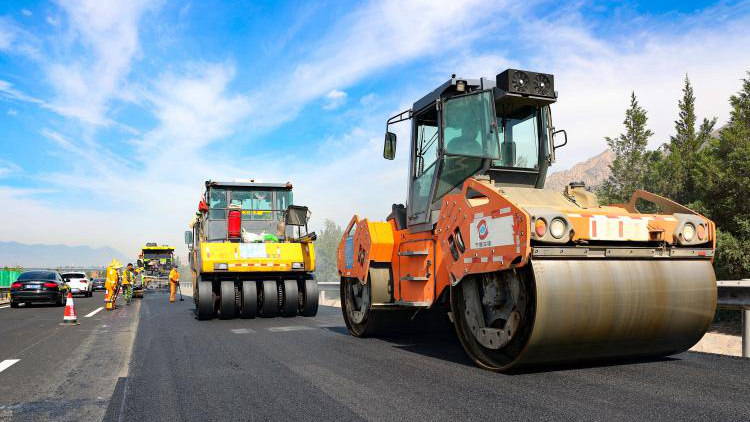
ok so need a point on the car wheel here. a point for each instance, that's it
(13, 304)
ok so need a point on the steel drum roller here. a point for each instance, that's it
(591, 309)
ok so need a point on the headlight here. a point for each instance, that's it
(221, 266)
(298, 265)
(688, 232)
(557, 228)
(540, 227)
(701, 232)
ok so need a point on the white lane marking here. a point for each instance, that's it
(7, 363)
(242, 330)
(6, 306)
(289, 328)
(94, 312)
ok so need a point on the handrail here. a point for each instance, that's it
(735, 294)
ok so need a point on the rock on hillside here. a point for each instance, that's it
(593, 172)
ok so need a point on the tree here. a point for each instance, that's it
(673, 174)
(628, 169)
(723, 186)
(326, 268)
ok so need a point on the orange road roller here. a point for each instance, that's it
(531, 276)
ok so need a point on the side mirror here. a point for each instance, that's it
(389, 148)
(562, 136)
(188, 237)
(297, 216)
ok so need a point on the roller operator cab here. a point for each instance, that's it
(531, 276)
(250, 252)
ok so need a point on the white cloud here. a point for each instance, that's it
(374, 37)
(594, 76)
(334, 99)
(8, 168)
(52, 20)
(12, 112)
(14, 39)
(109, 32)
(26, 12)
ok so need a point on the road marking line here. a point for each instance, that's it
(7, 363)
(290, 328)
(242, 330)
(94, 312)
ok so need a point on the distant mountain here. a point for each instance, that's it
(593, 172)
(35, 256)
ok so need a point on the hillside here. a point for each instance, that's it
(20, 254)
(592, 172)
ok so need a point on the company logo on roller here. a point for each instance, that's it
(482, 229)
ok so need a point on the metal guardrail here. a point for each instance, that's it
(735, 294)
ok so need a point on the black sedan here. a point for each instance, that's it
(38, 287)
(97, 284)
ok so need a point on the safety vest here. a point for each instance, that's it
(111, 277)
(128, 277)
(174, 276)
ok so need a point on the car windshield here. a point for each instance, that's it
(37, 275)
(74, 275)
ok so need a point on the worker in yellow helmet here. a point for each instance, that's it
(174, 278)
(128, 279)
(112, 284)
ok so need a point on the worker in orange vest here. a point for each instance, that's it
(112, 284)
(174, 278)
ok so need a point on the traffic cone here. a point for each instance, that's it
(69, 318)
(107, 302)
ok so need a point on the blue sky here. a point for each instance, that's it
(112, 114)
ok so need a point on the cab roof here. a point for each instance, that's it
(250, 184)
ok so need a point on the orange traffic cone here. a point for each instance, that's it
(69, 318)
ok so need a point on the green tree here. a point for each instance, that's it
(628, 169)
(673, 172)
(723, 186)
(326, 246)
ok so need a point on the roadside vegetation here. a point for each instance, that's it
(701, 167)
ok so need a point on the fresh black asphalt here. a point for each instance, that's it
(311, 369)
(63, 373)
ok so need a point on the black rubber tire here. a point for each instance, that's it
(291, 299)
(227, 300)
(60, 301)
(249, 299)
(13, 304)
(269, 299)
(309, 298)
(205, 304)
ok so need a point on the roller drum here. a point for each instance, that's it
(587, 310)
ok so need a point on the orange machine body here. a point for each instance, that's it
(484, 229)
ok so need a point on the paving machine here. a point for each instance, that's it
(530, 276)
(154, 264)
(251, 253)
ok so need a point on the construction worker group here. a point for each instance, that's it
(126, 280)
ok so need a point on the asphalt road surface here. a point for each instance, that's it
(311, 369)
